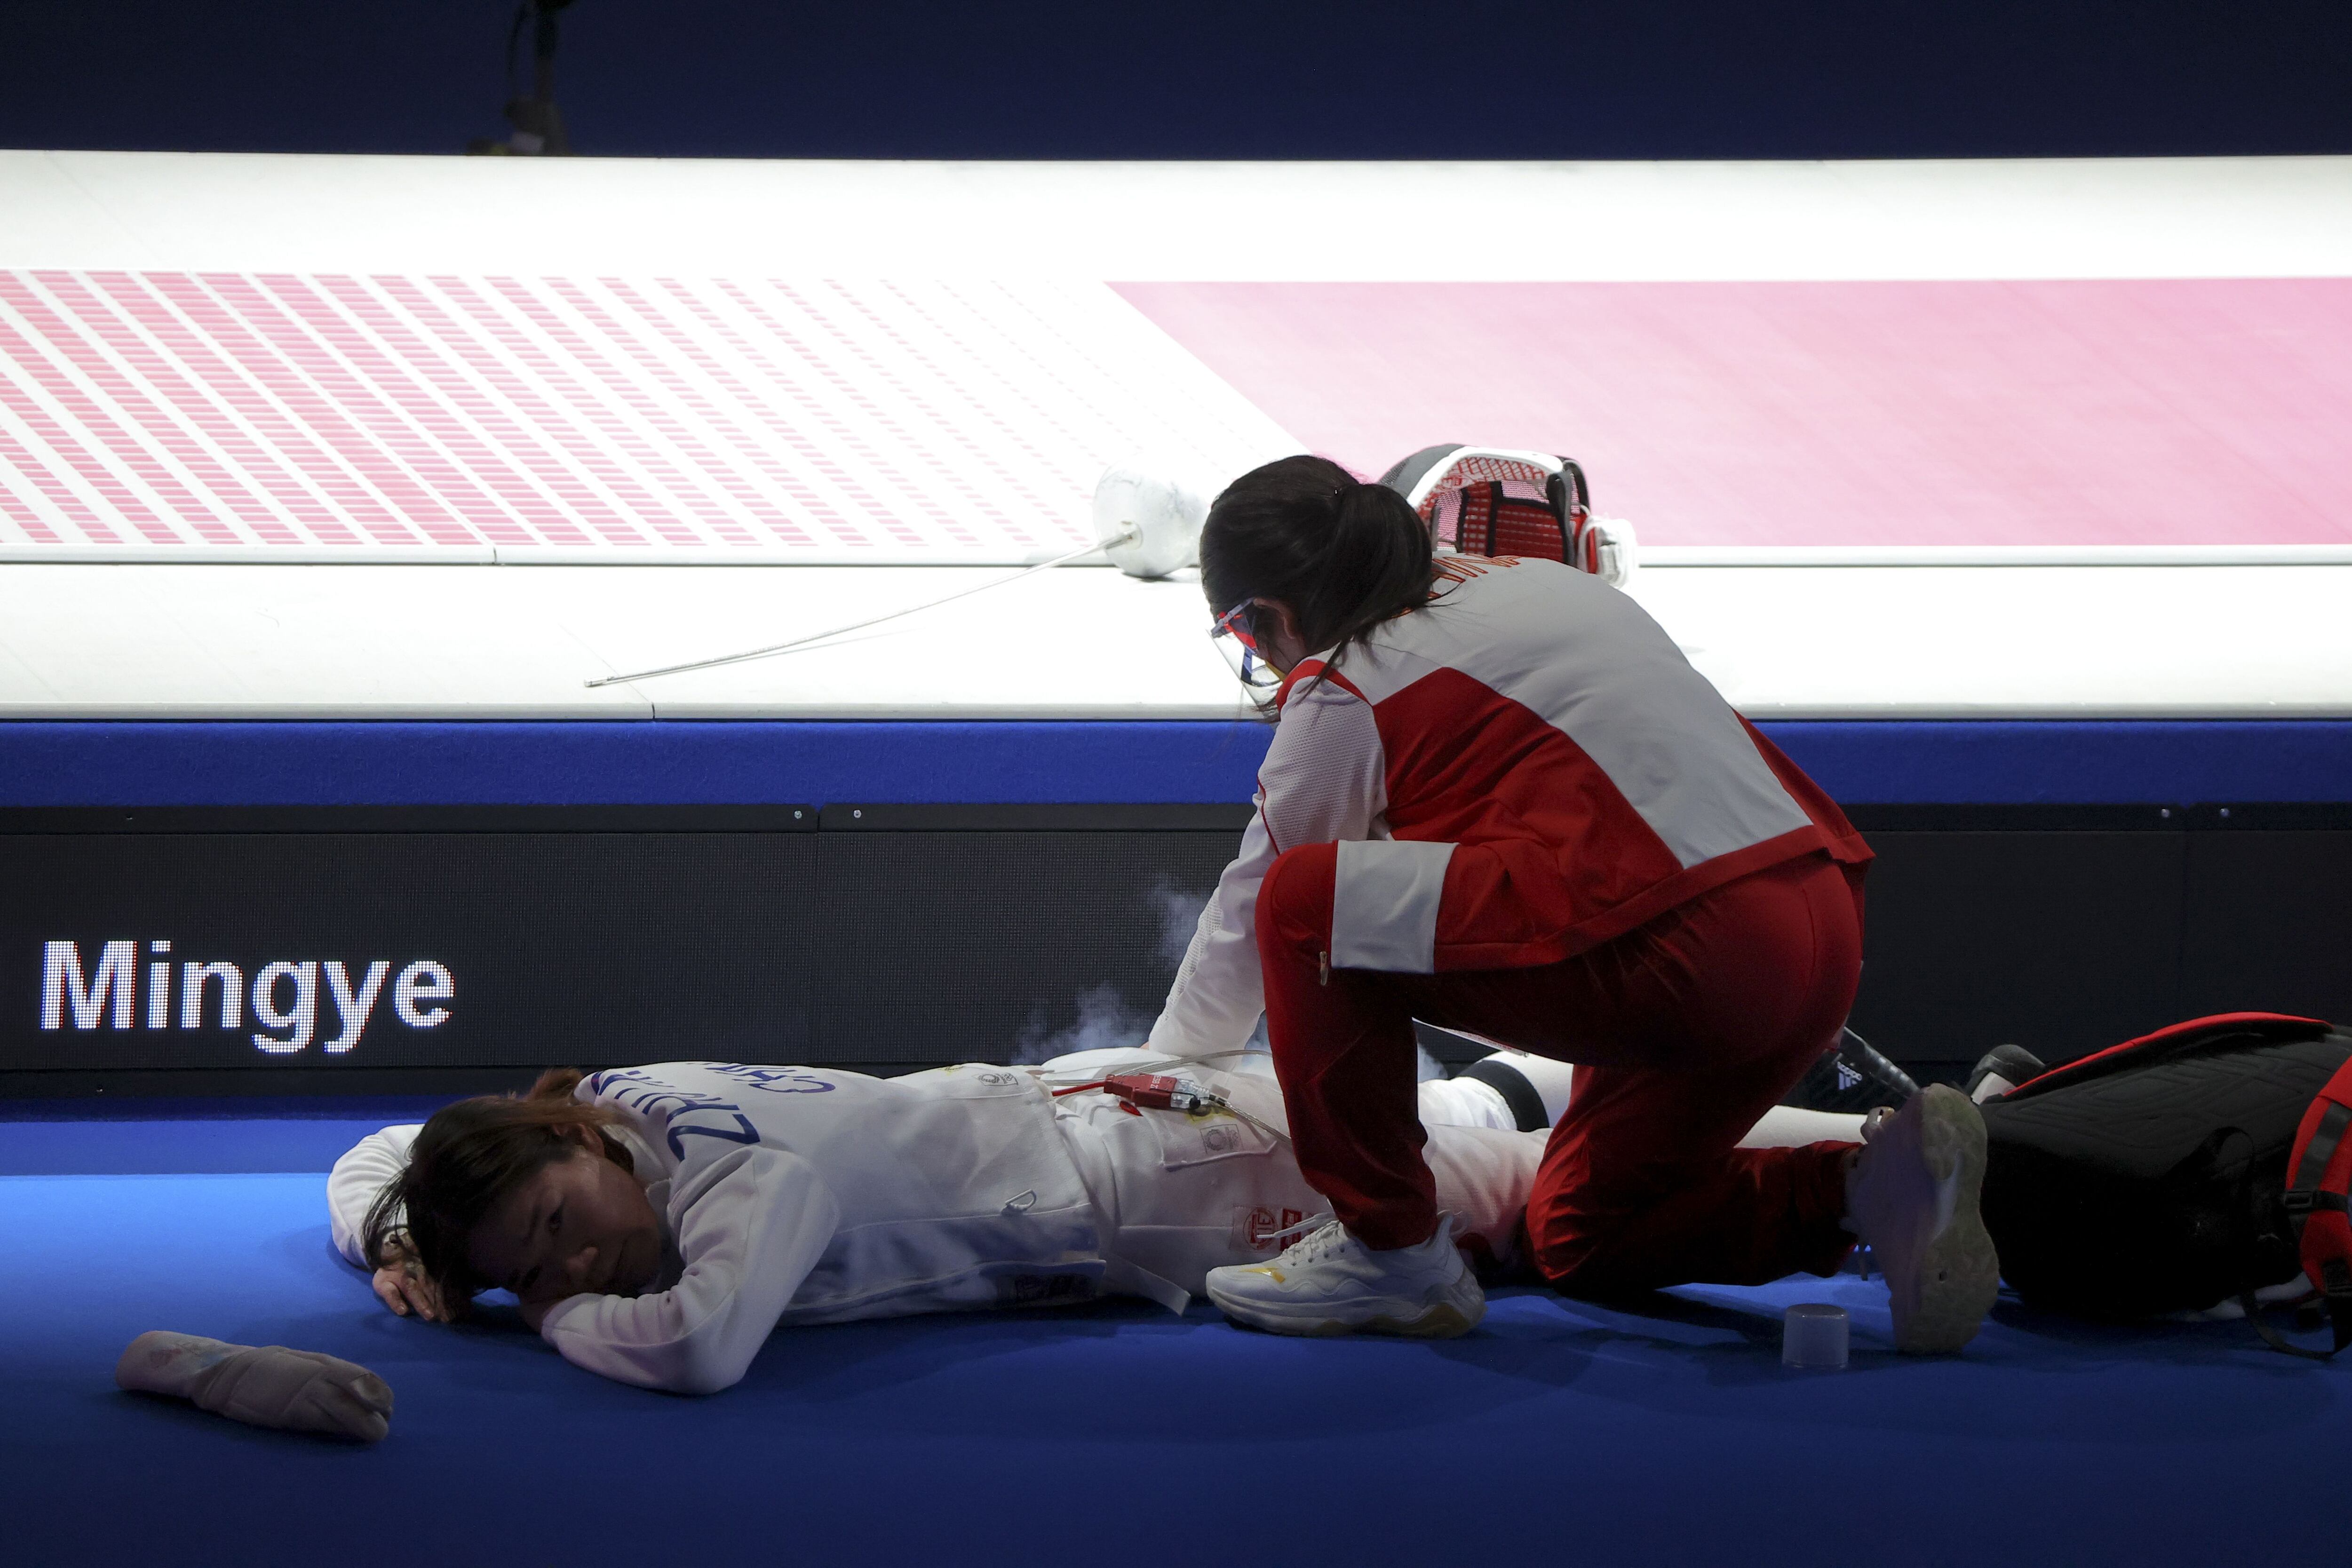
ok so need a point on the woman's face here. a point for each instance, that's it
(579, 1224)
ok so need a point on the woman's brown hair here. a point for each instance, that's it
(468, 1156)
(1344, 556)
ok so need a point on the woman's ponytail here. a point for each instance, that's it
(1379, 563)
(555, 1083)
(1344, 556)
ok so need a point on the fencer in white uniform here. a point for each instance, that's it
(800, 1195)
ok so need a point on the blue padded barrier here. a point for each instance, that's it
(626, 764)
(1003, 762)
(2062, 763)
(123, 1136)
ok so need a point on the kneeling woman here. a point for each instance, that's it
(657, 1223)
(1499, 799)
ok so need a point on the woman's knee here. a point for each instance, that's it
(1594, 1256)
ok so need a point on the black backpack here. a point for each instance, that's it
(2173, 1172)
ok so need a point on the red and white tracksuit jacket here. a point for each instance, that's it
(1522, 769)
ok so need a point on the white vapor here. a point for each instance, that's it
(1179, 913)
(1104, 1020)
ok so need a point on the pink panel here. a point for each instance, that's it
(1991, 413)
(231, 410)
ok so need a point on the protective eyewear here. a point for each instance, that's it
(1236, 640)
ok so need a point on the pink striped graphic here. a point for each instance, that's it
(620, 432)
(234, 410)
(474, 428)
(866, 402)
(477, 355)
(342, 408)
(112, 491)
(149, 420)
(870, 362)
(835, 425)
(14, 508)
(814, 452)
(307, 426)
(1014, 348)
(324, 512)
(37, 527)
(793, 484)
(370, 370)
(1028, 414)
(777, 522)
(204, 417)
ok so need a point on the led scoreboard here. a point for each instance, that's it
(331, 939)
(223, 950)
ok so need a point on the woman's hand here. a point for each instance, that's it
(402, 1286)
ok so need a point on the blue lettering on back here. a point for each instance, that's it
(747, 1133)
(776, 1080)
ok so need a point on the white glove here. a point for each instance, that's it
(263, 1386)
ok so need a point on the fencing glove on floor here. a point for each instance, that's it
(262, 1385)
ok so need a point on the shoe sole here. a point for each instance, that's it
(1443, 1320)
(1958, 1271)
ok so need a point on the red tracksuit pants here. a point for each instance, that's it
(1685, 1031)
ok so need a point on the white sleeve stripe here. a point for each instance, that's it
(1384, 903)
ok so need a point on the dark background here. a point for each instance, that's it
(911, 936)
(1201, 79)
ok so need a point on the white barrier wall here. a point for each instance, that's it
(224, 359)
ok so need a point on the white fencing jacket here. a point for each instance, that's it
(798, 1195)
(1519, 771)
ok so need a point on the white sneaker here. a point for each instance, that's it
(1911, 1196)
(1330, 1283)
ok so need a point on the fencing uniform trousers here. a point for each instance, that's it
(1179, 1196)
(1685, 1030)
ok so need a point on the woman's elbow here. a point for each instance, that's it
(702, 1371)
(699, 1382)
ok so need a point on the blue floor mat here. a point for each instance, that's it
(1557, 1432)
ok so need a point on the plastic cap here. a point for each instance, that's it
(1813, 1334)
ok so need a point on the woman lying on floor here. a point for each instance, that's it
(655, 1224)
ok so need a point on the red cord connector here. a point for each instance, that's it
(1158, 1091)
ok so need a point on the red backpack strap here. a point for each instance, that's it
(2319, 1175)
(2172, 1038)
